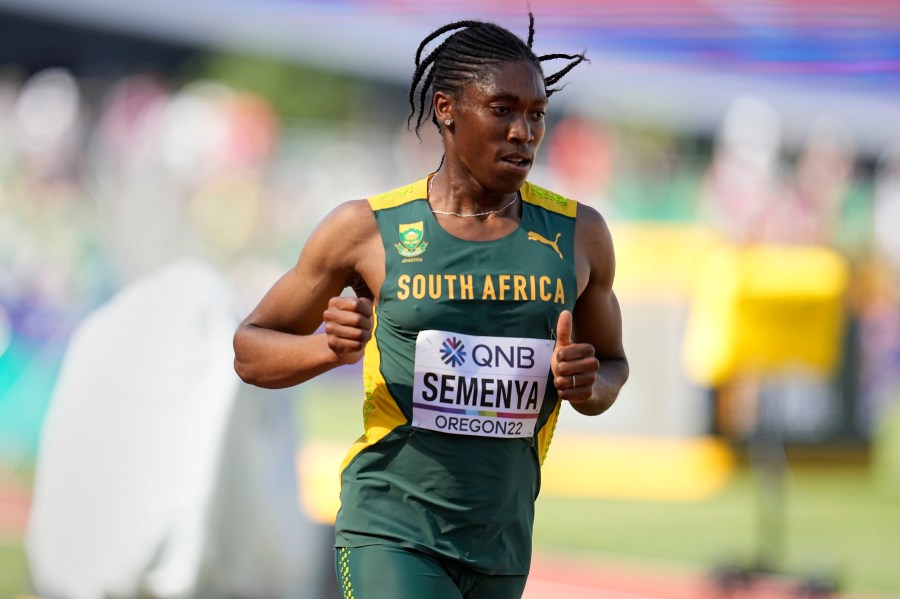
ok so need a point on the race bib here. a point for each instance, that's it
(483, 386)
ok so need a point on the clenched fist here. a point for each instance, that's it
(348, 327)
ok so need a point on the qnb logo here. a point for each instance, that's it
(453, 352)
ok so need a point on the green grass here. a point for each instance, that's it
(13, 571)
(835, 523)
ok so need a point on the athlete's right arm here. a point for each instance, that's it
(277, 345)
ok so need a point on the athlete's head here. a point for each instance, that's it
(470, 55)
(488, 95)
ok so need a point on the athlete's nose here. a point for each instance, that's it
(520, 131)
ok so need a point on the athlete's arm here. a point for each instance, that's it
(589, 341)
(276, 345)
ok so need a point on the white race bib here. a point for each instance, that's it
(483, 386)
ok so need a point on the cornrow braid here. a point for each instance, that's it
(553, 79)
(466, 55)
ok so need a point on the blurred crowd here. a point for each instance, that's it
(102, 182)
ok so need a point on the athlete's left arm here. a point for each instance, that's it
(589, 345)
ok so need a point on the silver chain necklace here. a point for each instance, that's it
(476, 214)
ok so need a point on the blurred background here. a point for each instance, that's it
(746, 155)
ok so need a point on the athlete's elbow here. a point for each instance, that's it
(245, 372)
(247, 369)
(596, 405)
(607, 389)
(258, 377)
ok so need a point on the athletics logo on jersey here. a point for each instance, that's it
(554, 245)
(412, 240)
(453, 352)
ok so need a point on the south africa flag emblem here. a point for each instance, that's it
(412, 240)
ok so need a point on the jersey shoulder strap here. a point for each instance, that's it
(531, 193)
(400, 196)
(548, 200)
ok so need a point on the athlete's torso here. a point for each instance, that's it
(458, 423)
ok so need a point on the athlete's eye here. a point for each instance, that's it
(500, 110)
(538, 115)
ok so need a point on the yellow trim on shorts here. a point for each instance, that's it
(381, 414)
(545, 436)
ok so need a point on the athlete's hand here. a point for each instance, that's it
(573, 364)
(348, 327)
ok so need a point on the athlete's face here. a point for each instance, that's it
(499, 125)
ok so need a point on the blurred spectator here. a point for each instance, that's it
(887, 208)
(823, 204)
(744, 180)
(580, 157)
(49, 125)
(880, 305)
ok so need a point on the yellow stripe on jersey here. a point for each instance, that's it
(546, 433)
(534, 194)
(531, 193)
(381, 414)
(401, 195)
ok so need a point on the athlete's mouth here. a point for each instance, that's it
(518, 160)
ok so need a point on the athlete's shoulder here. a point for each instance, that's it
(399, 196)
(350, 219)
(548, 200)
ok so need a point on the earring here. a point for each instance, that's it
(448, 122)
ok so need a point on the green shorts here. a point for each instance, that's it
(380, 571)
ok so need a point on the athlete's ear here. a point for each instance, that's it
(443, 106)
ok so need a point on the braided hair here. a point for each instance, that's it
(466, 56)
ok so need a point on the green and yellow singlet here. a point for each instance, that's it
(460, 405)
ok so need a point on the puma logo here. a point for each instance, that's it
(532, 236)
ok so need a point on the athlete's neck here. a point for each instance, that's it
(468, 199)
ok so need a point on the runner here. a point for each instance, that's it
(482, 300)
